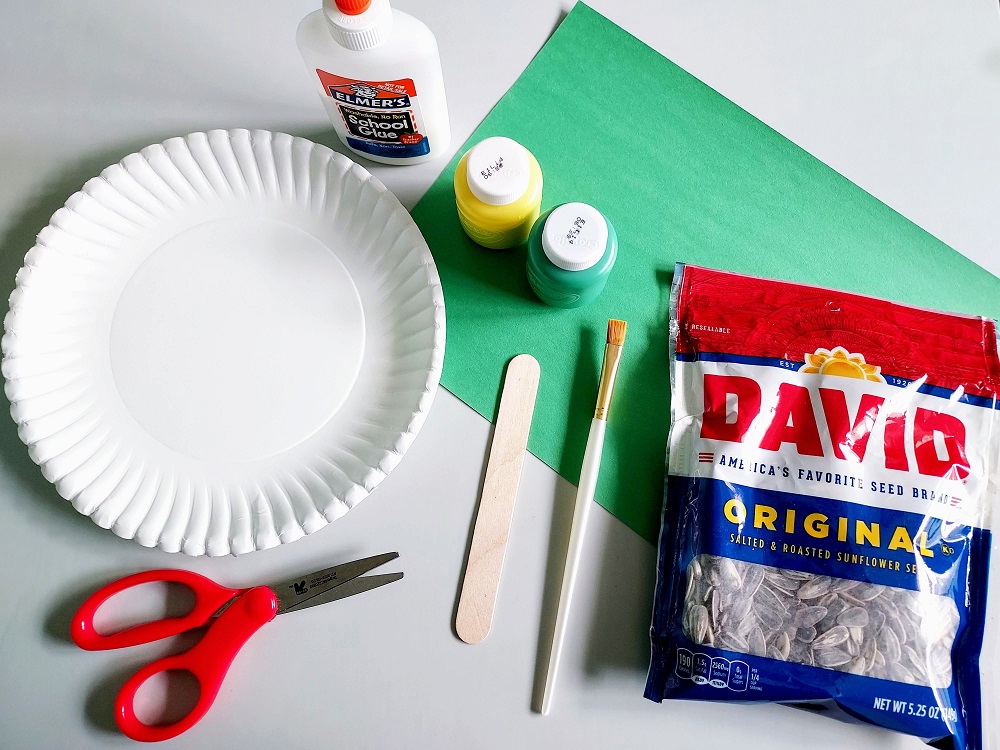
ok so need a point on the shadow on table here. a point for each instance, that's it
(58, 619)
(618, 626)
(126, 609)
(99, 708)
(168, 697)
(164, 699)
(618, 635)
(475, 511)
(46, 509)
(555, 565)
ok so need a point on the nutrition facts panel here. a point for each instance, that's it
(704, 669)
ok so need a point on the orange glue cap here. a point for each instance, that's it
(353, 7)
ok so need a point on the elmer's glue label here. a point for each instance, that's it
(378, 118)
(379, 77)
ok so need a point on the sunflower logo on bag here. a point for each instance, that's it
(842, 363)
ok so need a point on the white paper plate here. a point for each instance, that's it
(224, 342)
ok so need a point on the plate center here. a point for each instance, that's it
(237, 339)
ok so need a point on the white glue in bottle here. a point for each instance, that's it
(379, 76)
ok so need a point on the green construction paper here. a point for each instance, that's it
(684, 175)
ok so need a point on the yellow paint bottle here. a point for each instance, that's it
(498, 191)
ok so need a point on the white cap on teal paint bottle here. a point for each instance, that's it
(571, 252)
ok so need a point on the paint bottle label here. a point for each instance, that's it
(381, 118)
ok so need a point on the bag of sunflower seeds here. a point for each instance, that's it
(825, 535)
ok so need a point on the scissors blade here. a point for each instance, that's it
(348, 588)
(298, 590)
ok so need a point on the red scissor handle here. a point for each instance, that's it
(209, 597)
(208, 661)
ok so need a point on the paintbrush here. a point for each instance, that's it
(584, 498)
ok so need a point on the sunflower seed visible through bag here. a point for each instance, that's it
(831, 482)
(788, 615)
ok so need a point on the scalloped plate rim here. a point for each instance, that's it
(379, 469)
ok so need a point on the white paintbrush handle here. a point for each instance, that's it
(581, 512)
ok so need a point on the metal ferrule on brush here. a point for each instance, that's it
(612, 356)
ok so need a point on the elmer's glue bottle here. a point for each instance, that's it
(379, 76)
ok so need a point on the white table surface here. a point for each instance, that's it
(901, 96)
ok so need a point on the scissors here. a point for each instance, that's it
(233, 615)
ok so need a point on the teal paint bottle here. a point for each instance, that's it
(571, 251)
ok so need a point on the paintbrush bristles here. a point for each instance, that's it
(616, 332)
(612, 356)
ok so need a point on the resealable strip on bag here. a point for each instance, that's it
(825, 535)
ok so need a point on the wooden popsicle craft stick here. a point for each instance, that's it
(496, 507)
